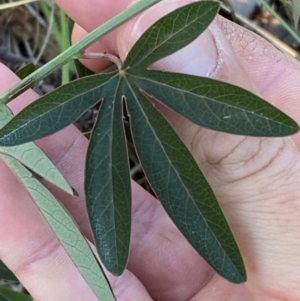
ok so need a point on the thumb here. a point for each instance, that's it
(245, 173)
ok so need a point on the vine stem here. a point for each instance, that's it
(77, 49)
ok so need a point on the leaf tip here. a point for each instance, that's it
(74, 191)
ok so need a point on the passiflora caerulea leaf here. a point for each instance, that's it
(215, 105)
(179, 184)
(171, 170)
(107, 182)
(55, 111)
(65, 229)
(171, 33)
(10, 295)
(6, 273)
(32, 157)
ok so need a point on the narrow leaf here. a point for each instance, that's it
(66, 230)
(216, 105)
(171, 33)
(5, 114)
(179, 184)
(6, 273)
(11, 295)
(32, 157)
(26, 70)
(81, 70)
(107, 183)
(54, 111)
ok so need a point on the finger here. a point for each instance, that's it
(98, 11)
(95, 65)
(28, 246)
(241, 163)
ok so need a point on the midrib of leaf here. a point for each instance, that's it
(111, 142)
(205, 99)
(174, 169)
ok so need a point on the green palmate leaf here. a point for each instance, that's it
(170, 168)
(65, 229)
(32, 157)
(216, 105)
(107, 183)
(179, 184)
(10, 295)
(55, 111)
(171, 33)
(6, 273)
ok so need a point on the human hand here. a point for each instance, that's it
(254, 179)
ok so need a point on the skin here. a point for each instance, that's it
(256, 180)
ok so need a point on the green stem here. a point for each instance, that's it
(283, 23)
(77, 49)
(65, 72)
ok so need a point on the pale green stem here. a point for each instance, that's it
(65, 42)
(77, 49)
(283, 23)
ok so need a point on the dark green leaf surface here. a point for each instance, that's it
(26, 70)
(54, 111)
(3, 298)
(216, 105)
(10, 295)
(81, 70)
(6, 273)
(107, 183)
(171, 33)
(179, 184)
